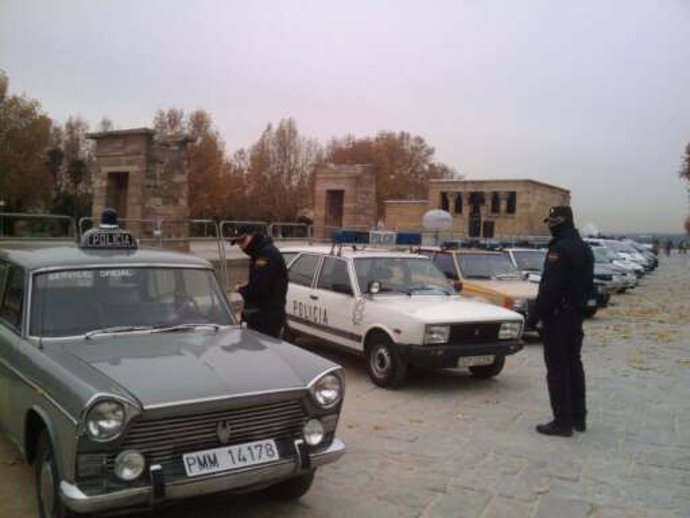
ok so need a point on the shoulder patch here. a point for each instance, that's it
(553, 256)
(261, 262)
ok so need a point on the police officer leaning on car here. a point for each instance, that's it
(564, 289)
(265, 293)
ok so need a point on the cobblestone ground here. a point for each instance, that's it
(450, 445)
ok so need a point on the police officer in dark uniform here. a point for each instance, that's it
(565, 286)
(265, 293)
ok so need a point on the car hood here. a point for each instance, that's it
(511, 287)
(445, 309)
(168, 368)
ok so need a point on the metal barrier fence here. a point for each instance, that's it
(29, 226)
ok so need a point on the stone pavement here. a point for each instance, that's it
(449, 445)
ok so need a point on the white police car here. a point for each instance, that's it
(395, 308)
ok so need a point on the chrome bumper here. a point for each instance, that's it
(259, 476)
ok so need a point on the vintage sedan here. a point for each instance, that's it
(397, 310)
(490, 276)
(126, 381)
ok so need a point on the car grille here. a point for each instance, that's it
(163, 441)
(474, 333)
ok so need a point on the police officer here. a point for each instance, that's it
(265, 293)
(565, 286)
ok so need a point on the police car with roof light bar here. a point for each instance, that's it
(83, 332)
(395, 308)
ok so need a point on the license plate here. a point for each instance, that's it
(228, 458)
(474, 361)
(591, 303)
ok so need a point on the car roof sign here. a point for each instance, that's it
(108, 239)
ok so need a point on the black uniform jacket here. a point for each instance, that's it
(568, 277)
(268, 280)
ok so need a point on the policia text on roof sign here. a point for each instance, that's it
(98, 238)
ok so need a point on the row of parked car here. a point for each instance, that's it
(433, 306)
(127, 381)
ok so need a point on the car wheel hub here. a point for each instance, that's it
(381, 361)
(47, 488)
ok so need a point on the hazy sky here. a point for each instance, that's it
(589, 95)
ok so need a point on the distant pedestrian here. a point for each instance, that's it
(265, 293)
(668, 246)
(566, 283)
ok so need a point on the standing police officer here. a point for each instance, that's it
(565, 285)
(265, 293)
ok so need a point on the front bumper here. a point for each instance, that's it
(255, 477)
(446, 356)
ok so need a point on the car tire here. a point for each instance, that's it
(385, 366)
(47, 481)
(293, 488)
(489, 371)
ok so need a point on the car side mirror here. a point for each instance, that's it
(458, 286)
(374, 287)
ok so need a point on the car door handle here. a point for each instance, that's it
(314, 297)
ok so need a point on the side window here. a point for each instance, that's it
(288, 257)
(334, 276)
(302, 269)
(13, 298)
(446, 265)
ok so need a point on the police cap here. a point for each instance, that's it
(237, 234)
(559, 213)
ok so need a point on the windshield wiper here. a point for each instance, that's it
(427, 287)
(502, 276)
(116, 329)
(185, 327)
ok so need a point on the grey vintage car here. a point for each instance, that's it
(126, 381)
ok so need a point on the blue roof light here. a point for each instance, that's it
(408, 238)
(358, 237)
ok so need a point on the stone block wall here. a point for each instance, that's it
(157, 181)
(358, 183)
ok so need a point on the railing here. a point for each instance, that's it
(44, 227)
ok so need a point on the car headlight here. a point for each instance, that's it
(327, 391)
(105, 420)
(436, 334)
(129, 465)
(509, 330)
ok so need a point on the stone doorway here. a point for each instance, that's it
(116, 192)
(334, 207)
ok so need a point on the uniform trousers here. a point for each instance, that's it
(267, 321)
(565, 377)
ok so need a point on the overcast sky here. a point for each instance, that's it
(589, 95)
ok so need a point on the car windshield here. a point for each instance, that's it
(531, 260)
(409, 275)
(76, 302)
(486, 266)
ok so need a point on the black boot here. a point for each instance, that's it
(555, 429)
(580, 425)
